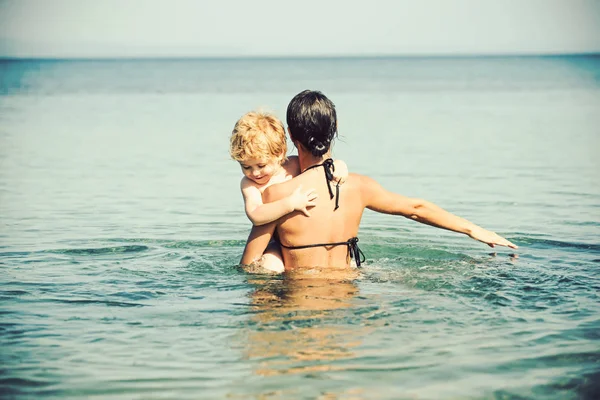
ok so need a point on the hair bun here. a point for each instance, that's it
(316, 144)
(318, 147)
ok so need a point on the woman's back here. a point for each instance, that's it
(325, 224)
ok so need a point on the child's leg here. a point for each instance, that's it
(272, 259)
(270, 262)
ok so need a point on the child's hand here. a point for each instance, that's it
(301, 200)
(340, 173)
(491, 238)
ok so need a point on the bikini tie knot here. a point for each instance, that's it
(329, 167)
(355, 252)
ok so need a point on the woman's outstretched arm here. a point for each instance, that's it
(378, 199)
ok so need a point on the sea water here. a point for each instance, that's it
(121, 225)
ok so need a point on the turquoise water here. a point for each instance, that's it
(122, 224)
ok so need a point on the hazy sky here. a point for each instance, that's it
(104, 28)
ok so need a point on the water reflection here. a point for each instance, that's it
(302, 322)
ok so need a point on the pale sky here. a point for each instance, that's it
(203, 28)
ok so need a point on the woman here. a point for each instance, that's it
(327, 238)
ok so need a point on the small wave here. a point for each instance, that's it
(138, 295)
(22, 382)
(582, 223)
(554, 360)
(177, 244)
(14, 253)
(397, 251)
(104, 302)
(11, 293)
(102, 250)
(549, 243)
(205, 243)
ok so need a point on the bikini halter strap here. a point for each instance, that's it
(329, 167)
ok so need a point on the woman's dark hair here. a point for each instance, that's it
(312, 121)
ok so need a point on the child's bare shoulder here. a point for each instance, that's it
(248, 184)
(292, 165)
(340, 164)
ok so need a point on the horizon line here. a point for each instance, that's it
(306, 56)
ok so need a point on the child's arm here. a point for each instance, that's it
(260, 214)
(340, 173)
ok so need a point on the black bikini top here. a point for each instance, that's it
(329, 167)
(352, 243)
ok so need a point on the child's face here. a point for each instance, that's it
(259, 170)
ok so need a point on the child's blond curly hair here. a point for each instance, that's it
(258, 135)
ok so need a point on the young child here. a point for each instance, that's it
(258, 143)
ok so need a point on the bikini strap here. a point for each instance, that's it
(329, 167)
(353, 250)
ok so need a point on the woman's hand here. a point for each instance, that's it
(490, 238)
